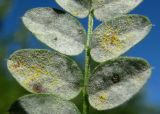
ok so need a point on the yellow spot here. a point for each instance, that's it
(110, 40)
(33, 78)
(103, 97)
(37, 74)
(75, 13)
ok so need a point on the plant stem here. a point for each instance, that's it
(87, 64)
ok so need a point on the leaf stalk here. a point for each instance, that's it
(87, 63)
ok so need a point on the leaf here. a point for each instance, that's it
(108, 9)
(103, 9)
(56, 29)
(113, 38)
(43, 104)
(116, 81)
(78, 8)
(43, 71)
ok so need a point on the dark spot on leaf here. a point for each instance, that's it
(80, 31)
(115, 78)
(38, 88)
(141, 66)
(55, 38)
(71, 67)
(78, 84)
(104, 78)
(16, 65)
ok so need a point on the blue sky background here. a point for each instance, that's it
(149, 48)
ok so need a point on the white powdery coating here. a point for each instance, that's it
(107, 9)
(103, 9)
(56, 29)
(116, 81)
(77, 8)
(43, 104)
(115, 37)
(43, 71)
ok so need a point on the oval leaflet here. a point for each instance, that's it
(43, 71)
(78, 8)
(116, 81)
(57, 29)
(108, 9)
(103, 9)
(43, 104)
(115, 37)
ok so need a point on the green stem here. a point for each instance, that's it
(87, 64)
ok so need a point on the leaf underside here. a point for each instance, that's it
(43, 104)
(43, 71)
(78, 8)
(103, 9)
(108, 9)
(116, 81)
(57, 29)
(113, 38)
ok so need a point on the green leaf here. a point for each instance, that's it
(57, 29)
(78, 8)
(107, 9)
(116, 81)
(43, 71)
(113, 38)
(43, 104)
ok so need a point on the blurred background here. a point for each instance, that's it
(14, 36)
